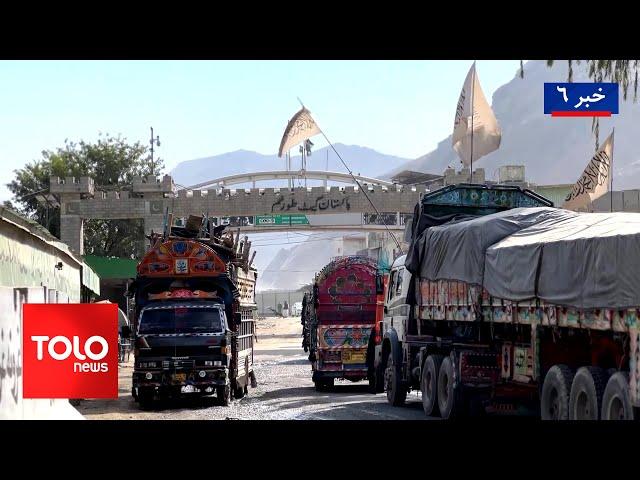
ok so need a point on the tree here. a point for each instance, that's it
(112, 162)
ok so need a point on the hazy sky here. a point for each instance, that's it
(204, 108)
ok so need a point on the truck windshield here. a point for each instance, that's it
(181, 320)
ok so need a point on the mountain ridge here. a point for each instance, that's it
(362, 160)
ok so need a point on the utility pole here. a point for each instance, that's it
(153, 142)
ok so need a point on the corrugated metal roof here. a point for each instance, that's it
(37, 230)
(112, 267)
(89, 277)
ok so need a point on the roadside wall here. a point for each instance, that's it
(271, 298)
(28, 273)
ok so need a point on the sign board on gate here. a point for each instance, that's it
(277, 220)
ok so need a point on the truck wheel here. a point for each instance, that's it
(323, 384)
(587, 388)
(429, 384)
(376, 380)
(447, 398)
(223, 392)
(554, 399)
(616, 401)
(396, 391)
(238, 392)
(379, 379)
(145, 397)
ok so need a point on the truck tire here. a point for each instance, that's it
(448, 399)
(223, 392)
(396, 390)
(429, 384)
(616, 401)
(323, 384)
(145, 398)
(587, 388)
(238, 392)
(556, 389)
(376, 380)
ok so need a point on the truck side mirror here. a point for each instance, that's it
(379, 285)
(237, 318)
(126, 331)
(386, 310)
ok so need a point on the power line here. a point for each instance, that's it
(362, 190)
(293, 271)
(304, 241)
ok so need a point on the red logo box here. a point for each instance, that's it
(70, 350)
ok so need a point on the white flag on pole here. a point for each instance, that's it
(482, 129)
(594, 181)
(301, 127)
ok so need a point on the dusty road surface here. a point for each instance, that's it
(285, 390)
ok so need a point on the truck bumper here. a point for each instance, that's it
(212, 378)
(356, 373)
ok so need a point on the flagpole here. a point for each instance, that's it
(611, 166)
(473, 86)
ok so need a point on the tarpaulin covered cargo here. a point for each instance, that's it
(456, 250)
(582, 260)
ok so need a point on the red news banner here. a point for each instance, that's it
(70, 350)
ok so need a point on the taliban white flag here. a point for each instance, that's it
(299, 128)
(475, 128)
(595, 179)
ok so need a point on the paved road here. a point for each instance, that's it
(285, 391)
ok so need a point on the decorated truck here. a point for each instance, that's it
(339, 314)
(504, 302)
(194, 298)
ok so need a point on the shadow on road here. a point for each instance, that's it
(301, 361)
(281, 352)
(338, 391)
(344, 402)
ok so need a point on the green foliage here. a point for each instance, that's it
(114, 238)
(623, 72)
(112, 162)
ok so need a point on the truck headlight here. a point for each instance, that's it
(202, 374)
(148, 376)
(217, 363)
(208, 363)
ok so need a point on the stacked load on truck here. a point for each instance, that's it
(194, 314)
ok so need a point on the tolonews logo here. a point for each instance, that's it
(73, 346)
(70, 350)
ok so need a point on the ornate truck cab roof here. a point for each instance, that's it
(181, 257)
